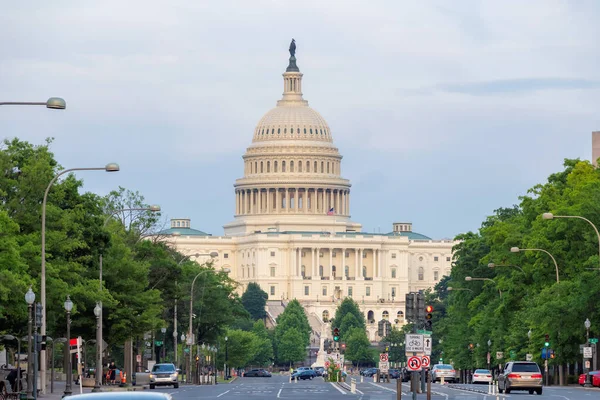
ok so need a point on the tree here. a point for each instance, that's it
(264, 355)
(348, 315)
(254, 300)
(241, 348)
(291, 347)
(292, 318)
(357, 346)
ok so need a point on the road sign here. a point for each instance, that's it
(158, 342)
(427, 345)
(384, 367)
(528, 357)
(138, 358)
(383, 357)
(424, 332)
(414, 343)
(414, 363)
(425, 361)
(587, 352)
(593, 340)
(499, 355)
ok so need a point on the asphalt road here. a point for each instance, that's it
(278, 387)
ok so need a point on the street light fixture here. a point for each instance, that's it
(450, 288)
(55, 103)
(163, 330)
(516, 250)
(98, 314)
(470, 278)
(492, 266)
(226, 360)
(68, 307)
(29, 299)
(552, 216)
(586, 370)
(111, 167)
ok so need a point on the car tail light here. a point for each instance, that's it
(489, 376)
(513, 376)
(453, 372)
(536, 376)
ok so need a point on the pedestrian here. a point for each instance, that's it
(112, 369)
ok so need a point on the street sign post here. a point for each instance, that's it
(587, 352)
(413, 363)
(383, 357)
(427, 345)
(425, 361)
(499, 355)
(384, 366)
(414, 343)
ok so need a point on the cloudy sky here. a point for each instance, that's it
(444, 110)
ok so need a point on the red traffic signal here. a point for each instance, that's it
(429, 309)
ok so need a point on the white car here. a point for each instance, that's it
(482, 376)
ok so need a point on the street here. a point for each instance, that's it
(278, 387)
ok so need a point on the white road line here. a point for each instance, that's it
(278, 393)
(224, 393)
(558, 395)
(382, 387)
(335, 386)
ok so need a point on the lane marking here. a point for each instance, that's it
(337, 388)
(382, 387)
(278, 393)
(224, 393)
(558, 395)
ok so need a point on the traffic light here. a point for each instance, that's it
(547, 340)
(420, 307)
(410, 307)
(343, 347)
(428, 318)
(336, 334)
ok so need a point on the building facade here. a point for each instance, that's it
(292, 231)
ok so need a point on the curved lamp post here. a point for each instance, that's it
(112, 167)
(552, 216)
(29, 299)
(492, 266)
(450, 288)
(470, 278)
(55, 103)
(68, 307)
(516, 250)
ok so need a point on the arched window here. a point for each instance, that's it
(261, 167)
(268, 166)
(308, 166)
(364, 271)
(291, 166)
(303, 271)
(333, 270)
(421, 272)
(393, 272)
(400, 315)
(255, 167)
(322, 167)
(315, 167)
(325, 316)
(346, 271)
(291, 130)
(320, 270)
(283, 166)
(299, 166)
(275, 167)
(327, 166)
(385, 315)
(371, 317)
(178, 224)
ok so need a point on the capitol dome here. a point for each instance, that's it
(295, 121)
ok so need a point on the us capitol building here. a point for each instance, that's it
(292, 231)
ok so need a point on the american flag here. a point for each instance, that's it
(330, 212)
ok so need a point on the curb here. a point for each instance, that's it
(453, 386)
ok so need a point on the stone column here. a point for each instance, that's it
(295, 270)
(344, 264)
(268, 200)
(304, 201)
(360, 261)
(277, 200)
(287, 200)
(330, 263)
(330, 201)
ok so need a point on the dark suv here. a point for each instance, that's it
(520, 375)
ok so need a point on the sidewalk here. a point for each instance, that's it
(59, 388)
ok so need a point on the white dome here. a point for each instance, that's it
(294, 121)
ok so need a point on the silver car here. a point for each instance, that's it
(446, 371)
(520, 375)
(164, 374)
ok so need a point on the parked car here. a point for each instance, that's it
(304, 374)
(258, 372)
(394, 373)
(443, 370)
(370, 372)
(164, 374)
(482, 376)
(595, 379)
(319, 370)
(520, 375)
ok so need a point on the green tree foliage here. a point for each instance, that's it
(254, 300)
(348, 315)
(292, 318)
(242, 347)
(264, 355)
(531, 298)
(290, 348)
(357, 345)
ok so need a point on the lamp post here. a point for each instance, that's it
(29, 298)
(450, 288)
(182, 351)
(226, 359)
(586, 363)
(552, 216)
(68, 308)
(516, 250)
(489, 355)
(112, 167)
(190, 339)
(98, 314)
(164, 354)
(492, 266)
(470, 278)
(55, 103)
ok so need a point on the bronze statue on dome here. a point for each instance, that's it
(293, 48)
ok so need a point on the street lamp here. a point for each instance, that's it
(586, 370)
(450, 288)
(29, 298)
(492, 266)
(552, 216)
(111, 167)
(226, 359)
(68, 308)
(55, 103)
(516, 250)
(98, 314)
(470, 278)
(164, 354)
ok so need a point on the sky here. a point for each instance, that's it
(443, 110)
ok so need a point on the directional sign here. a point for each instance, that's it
(593, 340)
(427, 345)
(587, 352)
(414, 343)
(528, 357)
(383, 357)
(425, 361)
(414, 363)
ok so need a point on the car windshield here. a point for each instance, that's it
(482, 371)
(525, 367)
(443, 366)
(163, 368)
